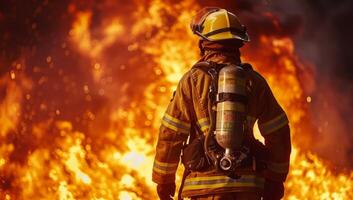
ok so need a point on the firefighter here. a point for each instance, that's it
(201, 120)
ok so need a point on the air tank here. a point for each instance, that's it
(231, 113)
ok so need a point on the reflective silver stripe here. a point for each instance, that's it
(164, 168)
(175, 124)
(212, 182)
(281, 168)
(274, 124)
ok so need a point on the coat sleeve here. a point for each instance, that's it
(273, 125)
(174, 131)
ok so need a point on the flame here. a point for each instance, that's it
(10, 106)
(80, 32)
(114, 159)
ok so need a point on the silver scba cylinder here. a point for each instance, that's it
(231, 114)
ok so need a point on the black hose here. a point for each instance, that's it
(209, 145)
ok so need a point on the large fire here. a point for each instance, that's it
(111, 158)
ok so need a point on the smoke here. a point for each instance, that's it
(324, 41)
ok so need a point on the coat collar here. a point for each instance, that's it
(221, 57)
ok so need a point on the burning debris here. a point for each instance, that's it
(84, 85)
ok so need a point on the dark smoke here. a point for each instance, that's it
(322, 31)
(325, 39)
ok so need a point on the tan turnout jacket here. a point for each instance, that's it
(189, 108)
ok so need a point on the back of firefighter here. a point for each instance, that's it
(221, 37)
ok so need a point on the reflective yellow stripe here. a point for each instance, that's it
(175, 124)
(220, 185)
(213, 182)
(274, 124)
(164, 164)
(177, 120)
(166, 124)
(281, 168)
(163, 171)
(165, 168)
(210, 178)
(203, 123)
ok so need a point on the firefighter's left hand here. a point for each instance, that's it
(166, 191)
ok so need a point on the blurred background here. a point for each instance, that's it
(84, 84)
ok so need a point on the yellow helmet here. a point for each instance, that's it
(214, 24)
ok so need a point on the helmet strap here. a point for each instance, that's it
(202, 50)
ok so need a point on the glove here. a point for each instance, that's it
(166, 191)
(274, 190)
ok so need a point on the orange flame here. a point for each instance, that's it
(71, 168)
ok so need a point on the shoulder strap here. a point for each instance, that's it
(212, 69)
(206, 66)
(246, 66)
(203, 66)
(209, 67)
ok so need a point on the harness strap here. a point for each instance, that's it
(232, 97)
(206, 66)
